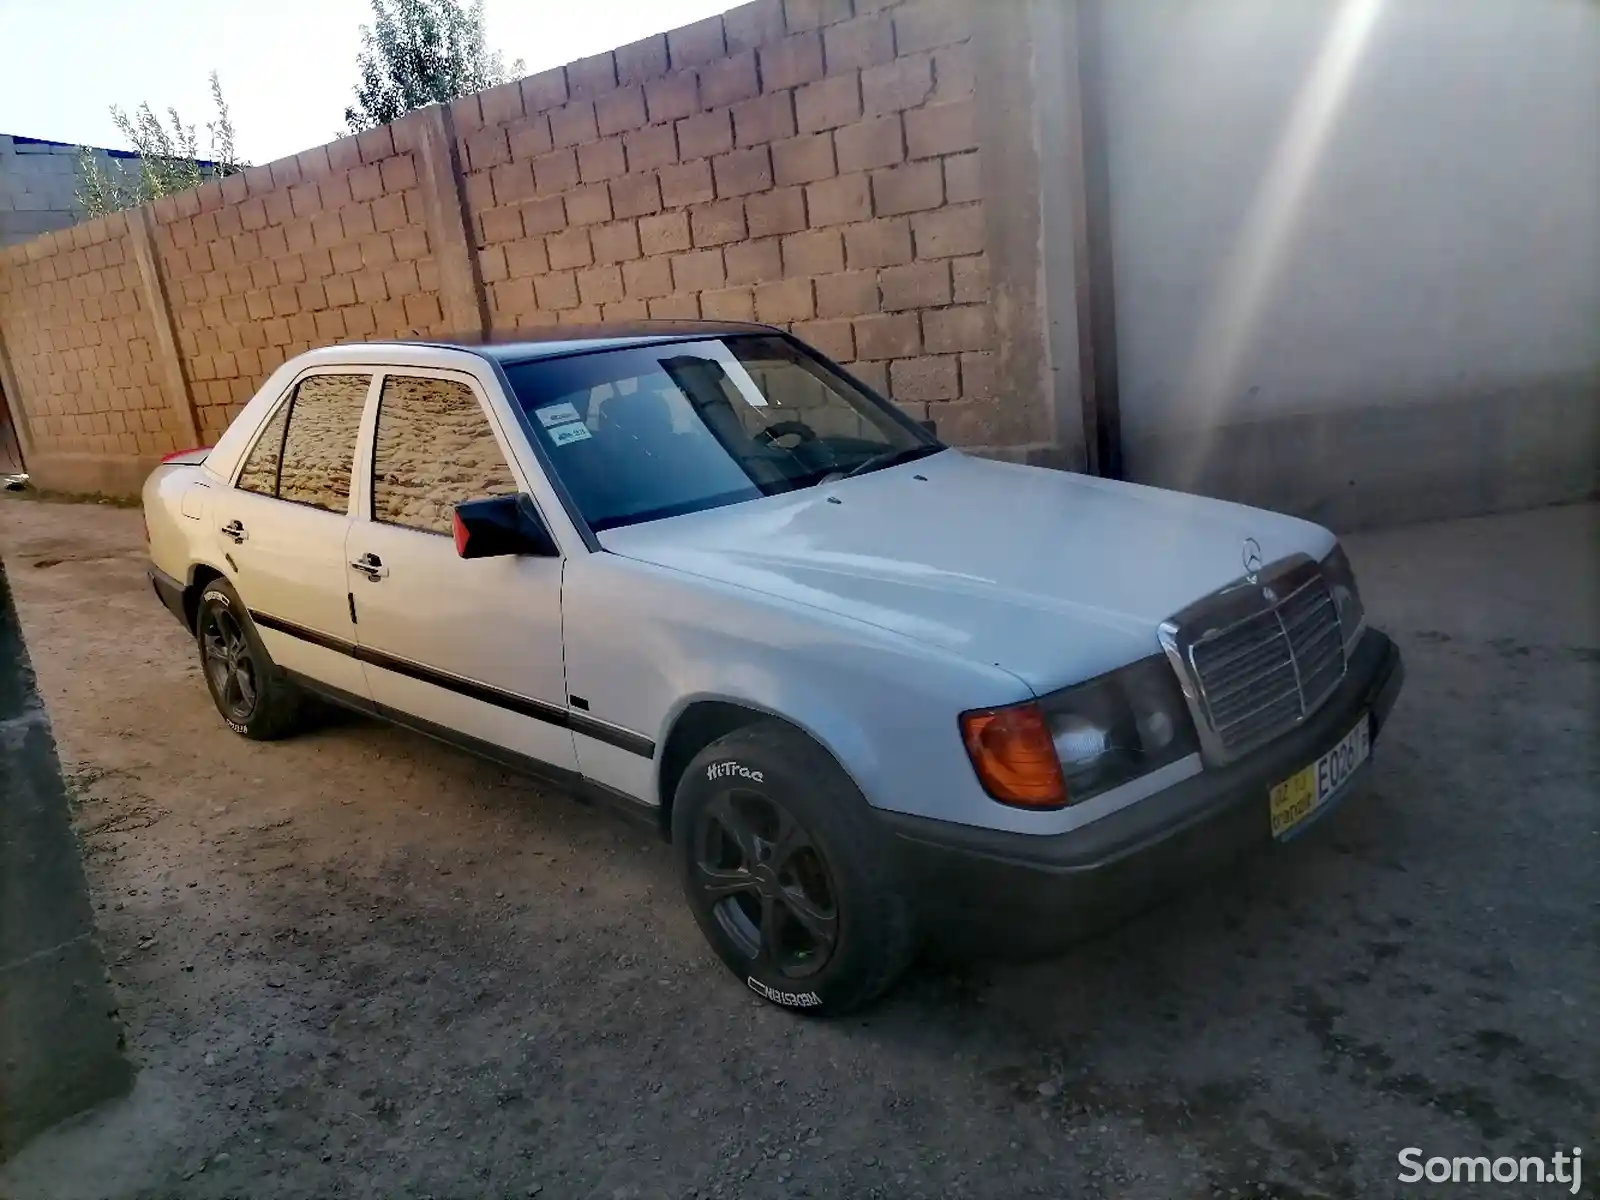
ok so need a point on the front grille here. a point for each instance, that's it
(1268, 671)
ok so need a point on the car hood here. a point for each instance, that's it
(1053, 576)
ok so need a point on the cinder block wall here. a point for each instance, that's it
(326, 246)
(809, 168)
(86, 386)
(813, 164)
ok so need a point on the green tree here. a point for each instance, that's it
(419, 52)
(168, 158)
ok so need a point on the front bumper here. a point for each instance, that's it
(1025, 894)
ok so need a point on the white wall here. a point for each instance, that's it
(1356, 248)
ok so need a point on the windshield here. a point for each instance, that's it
(651, 432)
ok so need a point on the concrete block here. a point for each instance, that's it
(782, 210)
(696, 44)
(828, 103)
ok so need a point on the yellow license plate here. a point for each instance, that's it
(1294, 800)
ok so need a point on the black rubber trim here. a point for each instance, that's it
(327, 691)
(525, 706)
(305, 634)
(170, 592)
(538, 710)
(622, 739)
(587, 790)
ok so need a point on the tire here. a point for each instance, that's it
(790, 879)
(252, 695)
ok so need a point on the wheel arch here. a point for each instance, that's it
(699, 723)
(200, 574)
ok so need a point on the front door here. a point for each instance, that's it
(467, 646)
(282, 529)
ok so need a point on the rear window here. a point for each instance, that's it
(306, 450)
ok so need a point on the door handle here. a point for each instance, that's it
(371, 566)
(235, 530)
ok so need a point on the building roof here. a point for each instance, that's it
(46, 144)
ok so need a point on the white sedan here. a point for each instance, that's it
(874, 690)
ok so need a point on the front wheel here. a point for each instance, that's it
(787, 873)
(253, 698)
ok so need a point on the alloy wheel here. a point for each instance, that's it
(228, 663)
(766, 883)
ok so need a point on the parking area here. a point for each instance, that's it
(357, 963)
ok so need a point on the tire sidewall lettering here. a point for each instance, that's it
(729, 769)
(787, 999)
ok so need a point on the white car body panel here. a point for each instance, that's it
(1054, 576)
(869, 612)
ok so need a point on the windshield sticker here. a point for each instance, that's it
(571, 431)
(556, 414)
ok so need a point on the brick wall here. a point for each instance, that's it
(82, 344)
(812, 164)
(805, 165)
(326, 246)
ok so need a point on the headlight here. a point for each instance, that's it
(1083, 740)
(1346, 596)
(1120, 726)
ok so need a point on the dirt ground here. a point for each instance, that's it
(360, 964)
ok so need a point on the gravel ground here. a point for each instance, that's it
(360, 964)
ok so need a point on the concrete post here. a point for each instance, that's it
(60, 1040)
(13, 394)
(141, 240)
(1044, 214)
(461, 292)
(1021, 150)
(1086, 156)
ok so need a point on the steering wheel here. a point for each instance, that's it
(779, 429)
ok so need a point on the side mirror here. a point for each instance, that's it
(930, 425)
(500, 526)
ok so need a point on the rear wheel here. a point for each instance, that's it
(248, 690)
(787, 873)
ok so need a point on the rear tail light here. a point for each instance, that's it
(1014, 755)
(185, 453)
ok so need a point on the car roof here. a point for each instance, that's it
(523, 345)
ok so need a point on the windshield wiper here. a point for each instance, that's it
(892, 458)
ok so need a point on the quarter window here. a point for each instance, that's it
(433, 449)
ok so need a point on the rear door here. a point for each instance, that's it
(283, 524)
(465, 646)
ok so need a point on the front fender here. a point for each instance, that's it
(645, 642)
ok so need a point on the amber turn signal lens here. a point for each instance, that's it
(1012, 751)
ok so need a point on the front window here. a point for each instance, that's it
(641, 434)
(432, 450)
